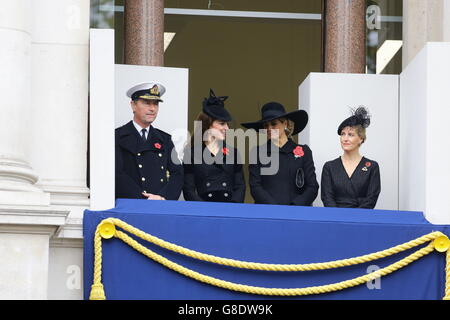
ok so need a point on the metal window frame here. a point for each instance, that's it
(243, 14)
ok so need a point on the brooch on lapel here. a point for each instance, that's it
(157, 145)
(225, 151)
(367, 165)
(298, 152)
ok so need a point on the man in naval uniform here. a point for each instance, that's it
(147, 166)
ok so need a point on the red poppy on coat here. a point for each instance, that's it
(298, 152)
(368, 164)
(225, 151)
(157, 145)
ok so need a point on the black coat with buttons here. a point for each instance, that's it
(219, 178)
(281, 187)
(360, 190)
(146, 166)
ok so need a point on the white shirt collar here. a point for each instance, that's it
(139, 128)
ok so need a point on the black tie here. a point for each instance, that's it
(143, 135)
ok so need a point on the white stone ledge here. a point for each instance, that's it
(31, 215)
(15, 30)
(71, 231)
(66, 243)
(67, 195)
(59, 44)
(27, 229)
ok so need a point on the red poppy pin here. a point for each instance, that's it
(225, 151)
(157, 145)
(298, 152)
(366, 165)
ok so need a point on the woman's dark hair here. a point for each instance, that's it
(206, 124)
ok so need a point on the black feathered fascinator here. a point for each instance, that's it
(360, 117)
(215, 108)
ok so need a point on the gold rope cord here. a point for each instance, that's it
(106, 229)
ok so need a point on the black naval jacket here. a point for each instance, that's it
(361, 190)
(146, 167)
(219, 181)
(281, 188)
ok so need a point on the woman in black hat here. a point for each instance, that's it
(213, 171)
(294, 183)
(351, 181)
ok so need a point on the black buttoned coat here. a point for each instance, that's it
(281, 187)
(360, 190)
(221, 181)
(146, 166)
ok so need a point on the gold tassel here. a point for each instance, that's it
(97, 292)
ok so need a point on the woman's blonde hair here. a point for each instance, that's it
(289, 126)
(360, 131)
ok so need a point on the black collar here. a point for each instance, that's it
(288, 147)
(129, 139)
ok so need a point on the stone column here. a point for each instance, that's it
(59, 144)
(144, 32)
(424, 21)
(17, 178)
(60, 56)
(344, 33)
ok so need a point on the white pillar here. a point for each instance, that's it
(424, 181)
(424, 21)
(446, 13)
(332, 95)
(60, 54)
(102, 119)
(17, 178)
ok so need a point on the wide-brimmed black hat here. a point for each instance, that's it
(360, 117)
(275, 110)
(215, 108)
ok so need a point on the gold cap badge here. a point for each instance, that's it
(154, 91)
